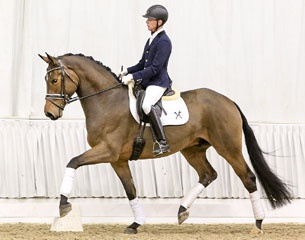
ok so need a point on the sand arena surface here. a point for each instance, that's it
(156, 231)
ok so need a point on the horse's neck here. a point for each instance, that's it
(101, 105)
(93, 81)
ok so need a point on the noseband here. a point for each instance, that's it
(62, 95)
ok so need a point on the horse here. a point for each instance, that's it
(214, 120)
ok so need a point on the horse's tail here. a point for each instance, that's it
(276, 190)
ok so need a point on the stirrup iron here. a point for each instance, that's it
(159, 148)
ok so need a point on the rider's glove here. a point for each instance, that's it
(127, 79)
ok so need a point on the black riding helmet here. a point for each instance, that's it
(157, 12)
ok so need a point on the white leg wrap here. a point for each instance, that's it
(188, 199)
(137, 210)
(67, 182)
(257, 206)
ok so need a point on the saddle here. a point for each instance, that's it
(139, 94)
(171, 107)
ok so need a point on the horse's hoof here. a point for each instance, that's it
(258, 224)
(258, 228)
(132, 228)
(130, 231)
(64, 209)
(256, 231)
(182, 216)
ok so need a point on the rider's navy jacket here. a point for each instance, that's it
(152, 68)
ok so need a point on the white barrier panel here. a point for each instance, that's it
(34, 154)
(157, 210)
(69, 223)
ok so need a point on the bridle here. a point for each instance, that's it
(63, 94)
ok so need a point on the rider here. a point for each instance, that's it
(151, 70)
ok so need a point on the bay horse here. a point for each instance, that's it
(214, 120)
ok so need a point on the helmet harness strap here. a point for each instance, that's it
(157, 27)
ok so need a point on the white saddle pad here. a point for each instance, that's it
(175, 108)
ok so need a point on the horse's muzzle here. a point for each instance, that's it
(51, 116)
(52, 110)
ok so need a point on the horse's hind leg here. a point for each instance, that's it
(196, 156)
(235, 158)
(123, 171)
(249, 181)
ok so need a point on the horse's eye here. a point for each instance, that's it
(54, 81)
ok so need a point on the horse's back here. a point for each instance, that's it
(213, 111)
(209, 99)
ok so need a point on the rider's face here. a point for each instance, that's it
(152, 24)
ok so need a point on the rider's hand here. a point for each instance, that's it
(123, 73)
(127, 79)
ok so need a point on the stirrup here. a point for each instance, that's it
(160, 148)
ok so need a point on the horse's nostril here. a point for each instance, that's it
(50, 115)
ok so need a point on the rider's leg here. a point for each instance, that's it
(152, 96)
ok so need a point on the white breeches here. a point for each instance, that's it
(152, 95)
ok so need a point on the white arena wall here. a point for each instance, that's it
(34, 154)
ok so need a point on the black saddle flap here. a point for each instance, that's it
(140, 98)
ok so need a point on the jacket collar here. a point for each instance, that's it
(152, 37)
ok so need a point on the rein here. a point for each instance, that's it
(63, 95)
(93, 94)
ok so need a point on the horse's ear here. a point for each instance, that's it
(52, 59)
(46, 59)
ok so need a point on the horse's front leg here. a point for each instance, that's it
(123, 171)
(98, 154)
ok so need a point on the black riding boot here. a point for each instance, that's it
(160, 146)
